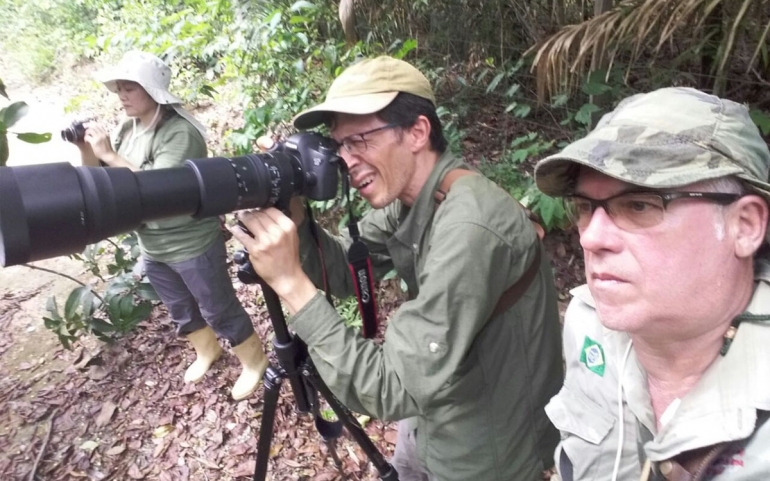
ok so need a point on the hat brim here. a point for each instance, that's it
(557, 176)
(110, 79)
(355, 105)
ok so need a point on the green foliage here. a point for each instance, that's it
(450, 123)
(506, 79)
(125, 301)
(8, 117)
(47, 32)
(348, 310)
(509, 173)
(762, 119)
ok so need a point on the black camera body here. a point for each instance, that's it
(56, 209)
(75, 132)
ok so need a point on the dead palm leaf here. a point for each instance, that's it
(633, 26)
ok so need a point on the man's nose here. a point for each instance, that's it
(601, 233)
(349, 159)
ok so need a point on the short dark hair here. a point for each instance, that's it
(404, 111)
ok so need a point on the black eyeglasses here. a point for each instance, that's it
(635, 210)
(356, 144)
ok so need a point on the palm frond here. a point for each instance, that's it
(633, 26)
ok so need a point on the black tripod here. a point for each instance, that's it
(295, 364)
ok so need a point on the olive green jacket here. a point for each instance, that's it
(476, 386)
(730, 404)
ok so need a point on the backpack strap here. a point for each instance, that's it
(511, 295)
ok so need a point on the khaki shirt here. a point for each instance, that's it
(729, 404)
(475, 386)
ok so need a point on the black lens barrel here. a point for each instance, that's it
(57, 209)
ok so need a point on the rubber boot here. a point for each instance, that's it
(207, 350)
(254, 362)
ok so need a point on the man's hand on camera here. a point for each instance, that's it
(274, 254)
(99, 140)
(297, 209)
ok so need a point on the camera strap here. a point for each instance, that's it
(317, 240)
(360, 264)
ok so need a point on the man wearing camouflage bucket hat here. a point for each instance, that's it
(466, 366)
(666, 347)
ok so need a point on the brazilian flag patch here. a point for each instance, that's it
(592, 356)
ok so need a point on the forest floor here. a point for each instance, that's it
(121, 411)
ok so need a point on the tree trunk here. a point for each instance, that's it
(600, 62)
(558, 14)
(348, 20)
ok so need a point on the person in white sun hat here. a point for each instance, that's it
(185, 258)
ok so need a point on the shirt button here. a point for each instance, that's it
(414, 246)
(433, 346)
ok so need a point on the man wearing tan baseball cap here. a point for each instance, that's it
(471, 358)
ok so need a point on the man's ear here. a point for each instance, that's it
(419, 134)
(751, 214)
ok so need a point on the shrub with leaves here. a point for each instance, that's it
(126, 300)
(8, 117)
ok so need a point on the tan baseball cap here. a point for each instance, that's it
(365, 88)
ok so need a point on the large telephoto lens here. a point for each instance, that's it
(56, 209)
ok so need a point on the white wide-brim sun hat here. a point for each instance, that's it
(153, 75)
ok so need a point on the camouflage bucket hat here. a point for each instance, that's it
(666, 138)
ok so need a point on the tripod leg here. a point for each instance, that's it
(384, 468)
(272, 379)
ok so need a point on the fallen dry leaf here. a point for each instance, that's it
(245, 469)
(391, 436)
(207, 463)
(135, 473)
(89, 446)
(115, 450)
(97, 373)
(108, 409)
(162, 431)
(275, 449)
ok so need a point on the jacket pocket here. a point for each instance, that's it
(586, 446)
